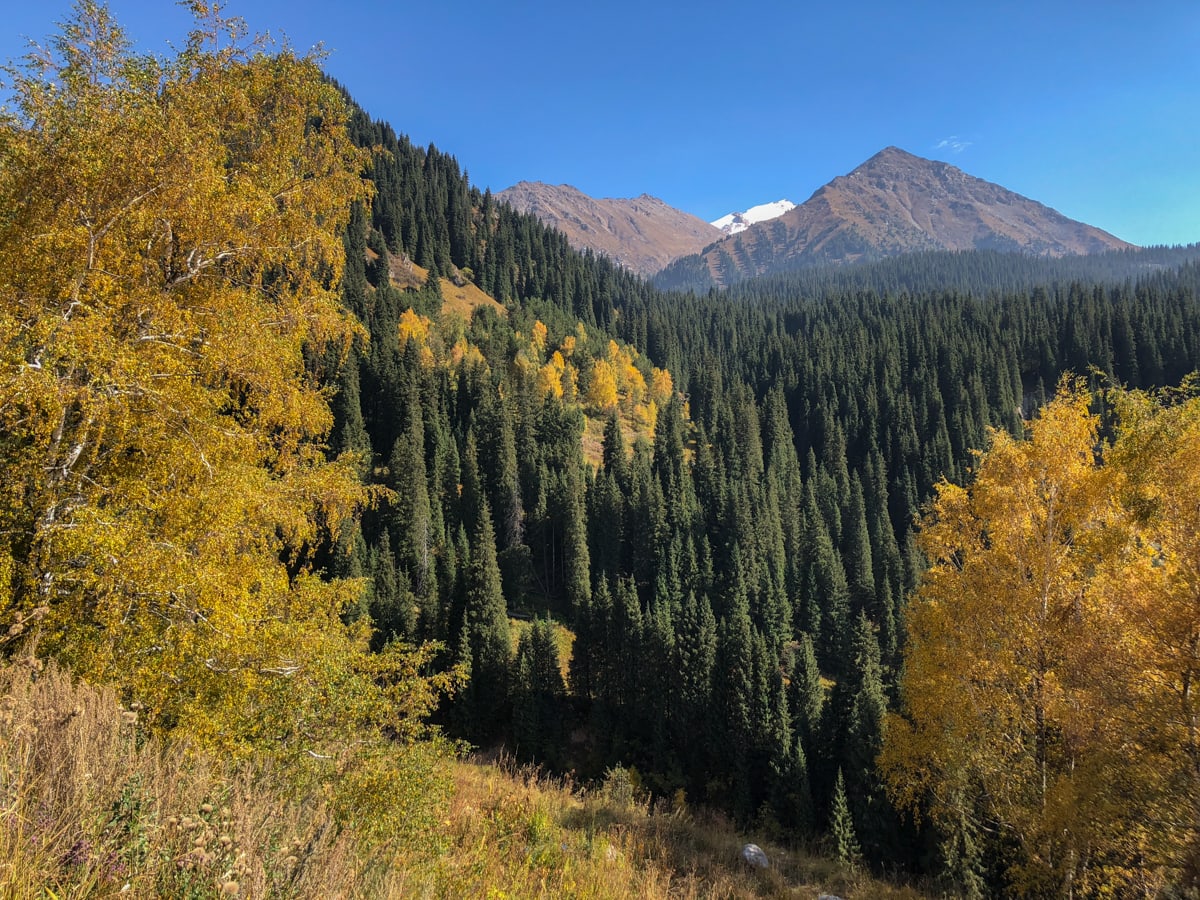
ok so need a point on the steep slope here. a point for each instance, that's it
(893, 203)
(643, 234)
(737, 222)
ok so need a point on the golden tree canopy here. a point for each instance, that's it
(1053, 648)
(169, 248)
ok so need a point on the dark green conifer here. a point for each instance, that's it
(538, 694)
(856, 552)
(841, 826)
(806, 696)
(486, 623)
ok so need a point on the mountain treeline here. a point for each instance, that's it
(974, 271)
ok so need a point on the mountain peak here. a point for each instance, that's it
(895, 158)
(641, 233)
(893, 203)
(736, 222)
(889, 152)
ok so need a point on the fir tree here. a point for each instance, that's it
(487, 636)
(538, 693)
(841, 826)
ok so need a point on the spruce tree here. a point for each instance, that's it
(735, 703)
(393, 611)
(692, 668)
(856, 552)
(875, 820)
(411, 512)
(806, 696)
(538, 694)
(487, 634)
(800, 812)
(577, 586)
(841, 826)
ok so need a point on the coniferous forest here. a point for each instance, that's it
(727, 542)
(734, 558)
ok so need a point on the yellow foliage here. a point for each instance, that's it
(537, 340)
(646, 415)
(633, 384)
(414, 327)
(662, 388)
(549, 381)
(170, 245)
(1048, 644)
(602, 387)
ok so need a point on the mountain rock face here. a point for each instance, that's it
(737, 222)
(893, 203)
(643, 233)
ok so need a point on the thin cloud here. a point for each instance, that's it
(954, 144)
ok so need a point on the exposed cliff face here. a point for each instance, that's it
(643, 233)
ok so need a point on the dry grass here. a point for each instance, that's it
(515, 835)
(91, 807)
(463, 301)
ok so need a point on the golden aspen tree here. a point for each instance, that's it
(995, 704)
(550, 376)
(1158, 454)
(1053, 648)
(537, 339)
(601, 394)
(662, 388)
(169, 246)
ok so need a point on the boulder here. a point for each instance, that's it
(754, 856)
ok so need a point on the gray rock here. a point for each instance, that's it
(754, 856)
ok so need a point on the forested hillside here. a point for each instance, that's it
(735, 578)
(293, 506)
(974, 271)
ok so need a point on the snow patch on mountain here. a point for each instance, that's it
(740, 221)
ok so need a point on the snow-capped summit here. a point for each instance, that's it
(740, 221)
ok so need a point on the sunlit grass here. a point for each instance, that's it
(90, 806)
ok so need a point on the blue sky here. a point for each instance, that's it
(1090, 107)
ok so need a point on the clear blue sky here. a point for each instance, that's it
(1090, 107)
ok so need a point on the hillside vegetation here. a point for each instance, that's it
(95, 806)
(904, 575)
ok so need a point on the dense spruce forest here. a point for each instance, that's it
(733, 559)
(978, 271)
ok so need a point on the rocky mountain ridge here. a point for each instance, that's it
(643, 233)
(893, 203)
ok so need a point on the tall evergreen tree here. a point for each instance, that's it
(841, 826)
(483, 704)
(538, 696)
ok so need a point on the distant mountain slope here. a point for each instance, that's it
(893, 203)
(642, 234)
(736, 222)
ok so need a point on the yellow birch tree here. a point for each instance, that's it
(169, 246)
(1048, 684)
